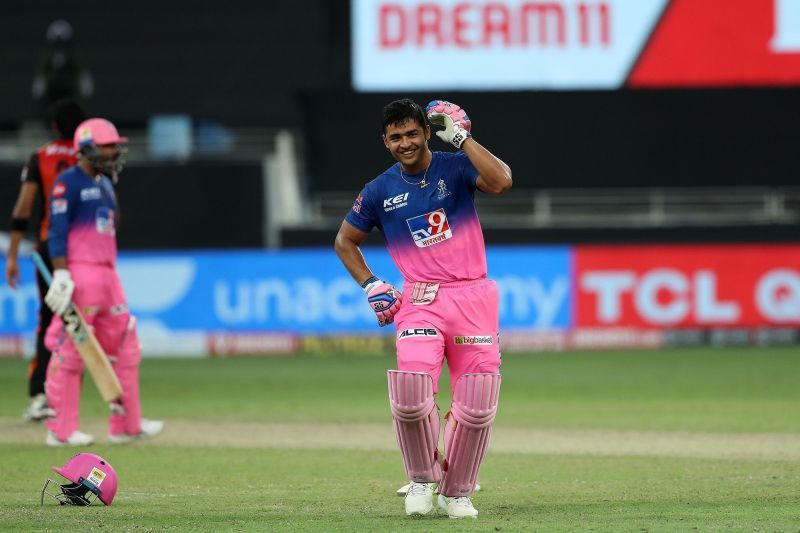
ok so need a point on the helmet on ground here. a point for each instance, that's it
(95, 132)
(91, 477)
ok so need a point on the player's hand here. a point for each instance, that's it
(457, 124)
(59, 295)
(12, 272)
(383, 298)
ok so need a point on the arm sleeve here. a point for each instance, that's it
(30, 172)
(362, 214)
(61, 207)
(468, 172)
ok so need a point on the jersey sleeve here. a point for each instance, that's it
(362, 215)
(30, 172)
(62, 205)
(468, 172)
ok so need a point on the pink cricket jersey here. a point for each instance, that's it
(82, 225)
(432, 233)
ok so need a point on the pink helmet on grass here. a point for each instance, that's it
(92, 478)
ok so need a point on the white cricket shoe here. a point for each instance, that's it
(148, 428)
(38, 409)
(419, 499)
(78, 438)
(458, 506)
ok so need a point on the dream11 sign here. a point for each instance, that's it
(504, 44)
(467, 25)
(573, 44)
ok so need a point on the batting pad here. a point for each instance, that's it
(466, 435)
(416, 424)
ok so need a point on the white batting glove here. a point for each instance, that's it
(457, 124)
(59, 295)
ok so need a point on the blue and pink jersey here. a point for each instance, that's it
(82, 225)
(432, 233)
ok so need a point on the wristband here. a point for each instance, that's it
(19, 224)
(369, 283)
(459, 136)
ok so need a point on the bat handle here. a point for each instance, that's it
(41, 267)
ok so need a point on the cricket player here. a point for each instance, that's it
(83, 249)
(448, 310)
(37, 178)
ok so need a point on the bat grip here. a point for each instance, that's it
(41, 267)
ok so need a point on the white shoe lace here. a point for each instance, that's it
(418, 489)
(463, 501)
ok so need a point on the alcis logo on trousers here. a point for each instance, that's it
(417, 332)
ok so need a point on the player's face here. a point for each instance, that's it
(408, 143)
(108, 158)
(109, 152)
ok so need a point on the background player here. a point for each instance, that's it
(83, 248)
(424, 205)
(38, 176)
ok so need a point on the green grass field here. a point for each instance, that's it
(678, 440)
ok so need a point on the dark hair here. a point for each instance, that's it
(401, 110)
(67, 114)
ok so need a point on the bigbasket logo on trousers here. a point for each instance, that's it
(473, 339)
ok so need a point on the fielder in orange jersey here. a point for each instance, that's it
(38, 176)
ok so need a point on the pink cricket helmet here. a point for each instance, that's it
(89, 473)
(97, 131)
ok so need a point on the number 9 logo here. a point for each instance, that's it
(436, 221)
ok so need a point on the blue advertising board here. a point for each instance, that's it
(297, 291)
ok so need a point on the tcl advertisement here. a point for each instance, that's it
(573, 44)
(671, 286)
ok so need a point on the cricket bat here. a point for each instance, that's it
(86, 343)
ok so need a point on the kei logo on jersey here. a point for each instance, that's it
(430, 228)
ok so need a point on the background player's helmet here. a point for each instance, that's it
(97, 132)
(91, 477)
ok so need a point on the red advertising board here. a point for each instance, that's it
(702, 43)
(676, 286)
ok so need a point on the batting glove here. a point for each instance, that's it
(59, 295)
(383, 298)
(457, 124)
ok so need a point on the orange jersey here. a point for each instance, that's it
(43, 168)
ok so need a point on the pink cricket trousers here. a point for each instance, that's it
(461, 326)
(100, 297)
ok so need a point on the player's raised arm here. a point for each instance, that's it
(494, 175)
